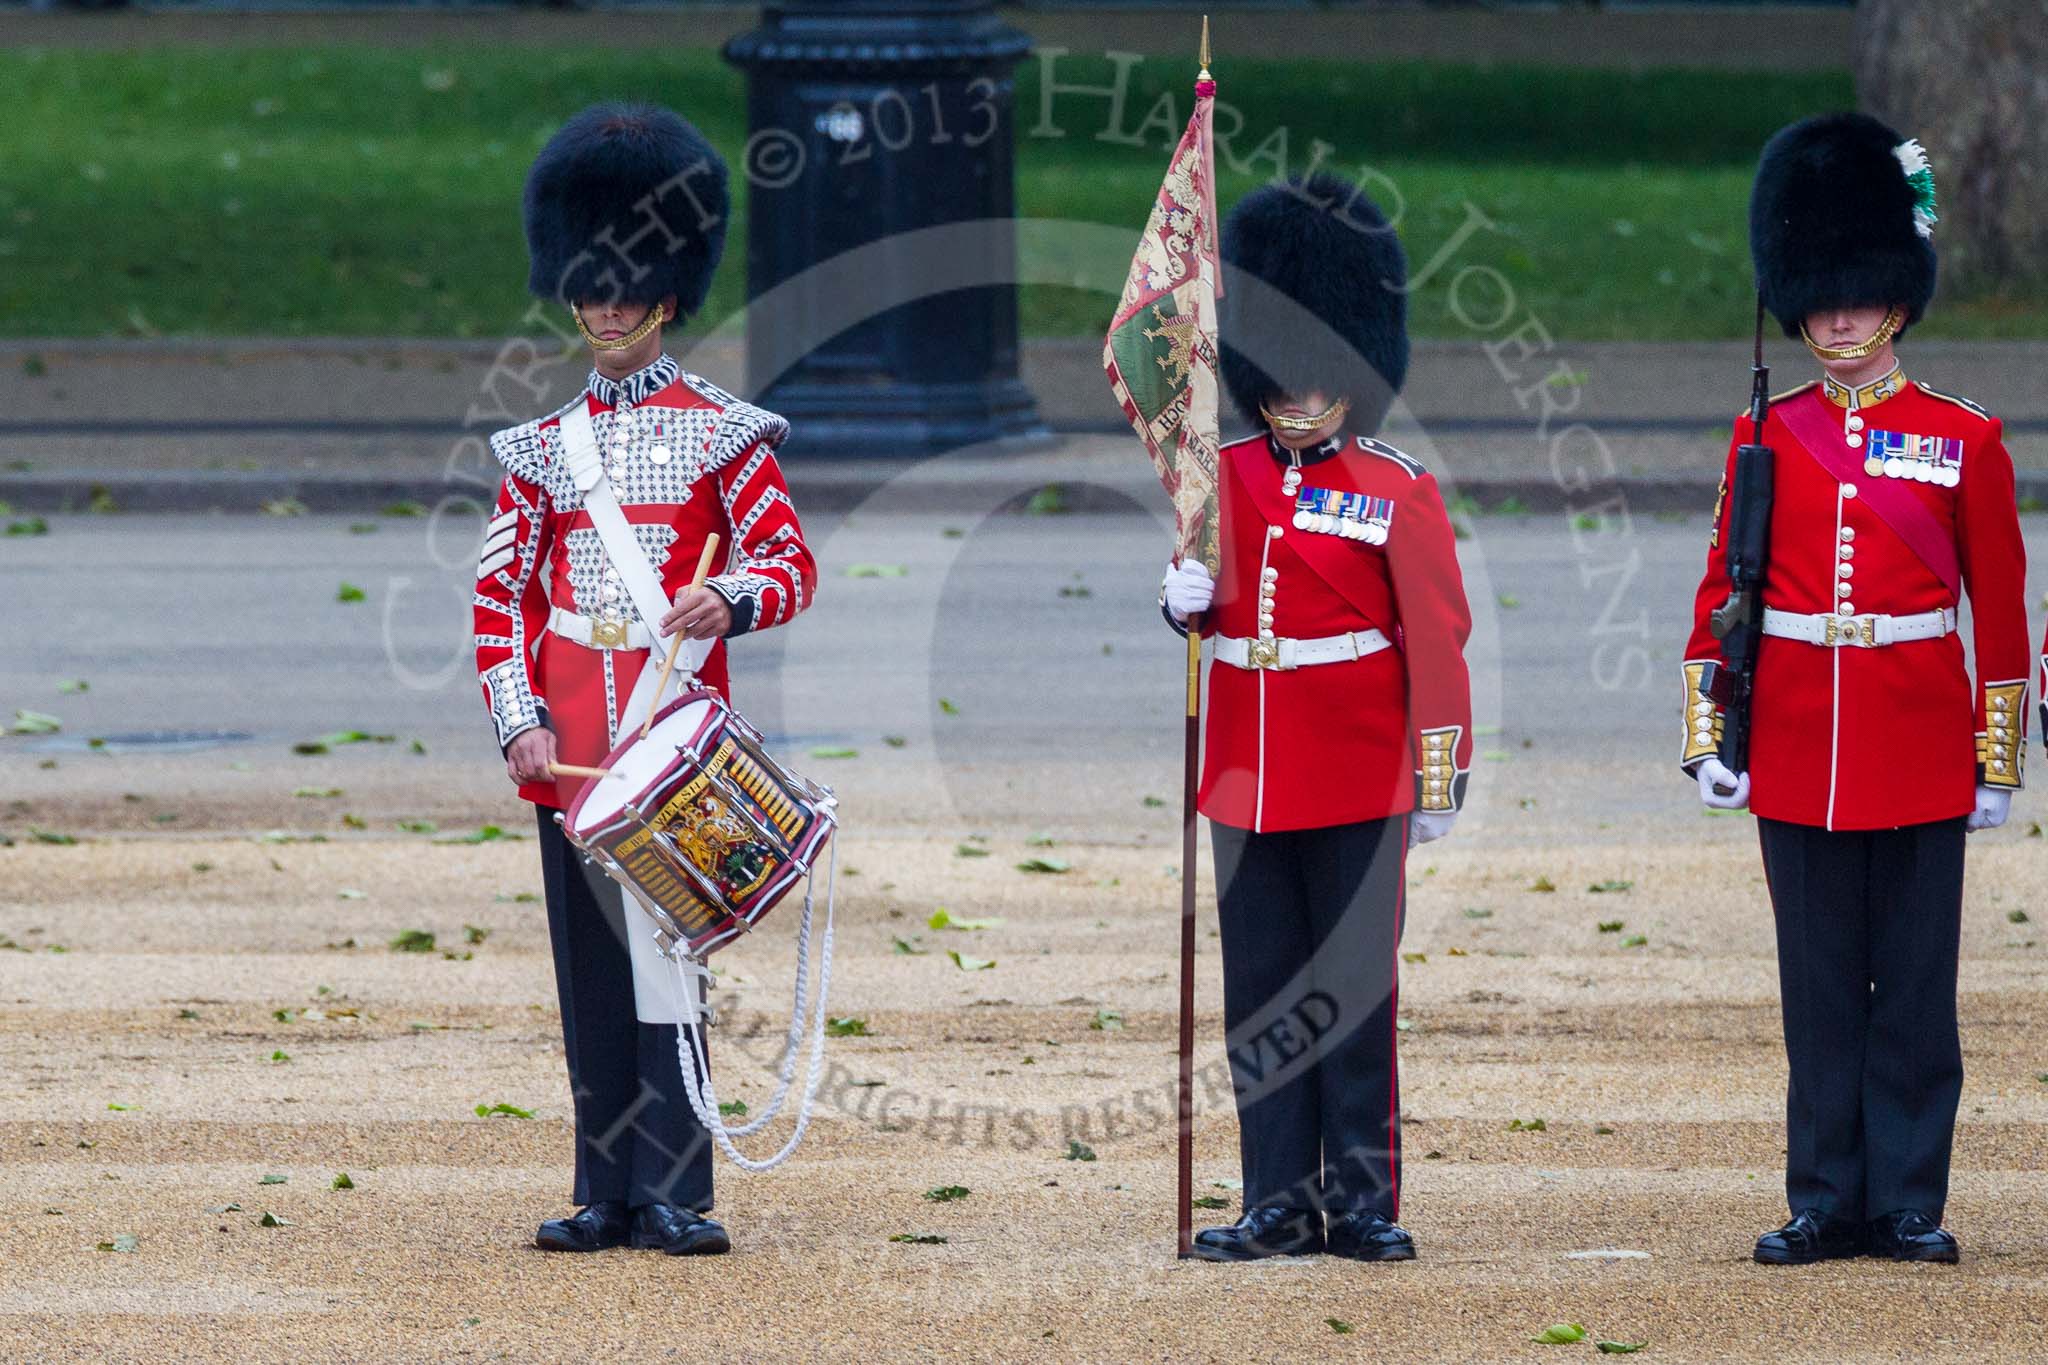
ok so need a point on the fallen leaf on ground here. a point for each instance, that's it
(126, 1242)
(489, 834)
(924, 1239)
(485, 1111)
(1079, 1151)
(946, 1194)
(1044, 865)
(847, 1026)
(941, 918)
(1560, 1334)
(1609, 885)
(413, 941)
(970, 964)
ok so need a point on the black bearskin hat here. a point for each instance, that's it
(593, 232)
(1322, 246)
(1842, 216)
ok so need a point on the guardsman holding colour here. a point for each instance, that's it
(1339, 728)
(1872, 753)
(606, 503)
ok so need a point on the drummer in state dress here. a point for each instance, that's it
(625, 214)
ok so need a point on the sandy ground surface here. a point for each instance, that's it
(174, 901)
(178, 950)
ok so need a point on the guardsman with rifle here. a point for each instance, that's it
(1827, 690)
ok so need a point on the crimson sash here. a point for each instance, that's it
(1820, 434)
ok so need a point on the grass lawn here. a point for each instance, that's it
(345, 191)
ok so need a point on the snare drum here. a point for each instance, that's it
(700, 824)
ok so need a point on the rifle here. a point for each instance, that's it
(1738, 622)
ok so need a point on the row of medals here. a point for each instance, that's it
(1919, 471)
(1329, 523)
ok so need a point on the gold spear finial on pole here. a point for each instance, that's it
(1205, 51)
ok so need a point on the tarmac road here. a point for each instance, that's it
(1040, 632)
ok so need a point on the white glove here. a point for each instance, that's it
(1187, 588)
(1427, 825)
(1714, 773)
(1993, 805)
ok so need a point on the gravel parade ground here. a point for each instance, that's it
(207, 1026)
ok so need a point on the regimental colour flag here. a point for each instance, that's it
(1160, 354)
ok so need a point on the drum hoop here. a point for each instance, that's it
(721, 711)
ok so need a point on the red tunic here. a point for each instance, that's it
(1862, 738)
(684, 459)
(1336, 743)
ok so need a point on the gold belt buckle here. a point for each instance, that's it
(1860, 629)
(1263, 654)
(608, 632)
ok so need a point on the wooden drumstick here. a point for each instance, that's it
(577, 770)
(675, 646)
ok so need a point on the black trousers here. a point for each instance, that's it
(1869, 923)
(636, 1139)
(1311, 931)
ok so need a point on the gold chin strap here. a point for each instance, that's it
(655, 317)
(1331, 413)
(1886, 330)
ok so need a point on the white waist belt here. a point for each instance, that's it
(1860, 632)
(596, 634)
(1286, 654)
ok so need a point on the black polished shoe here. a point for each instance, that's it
(593, 1228)
(1366, 1236)
(679, 1232)
(1811, 1236)
(1264, 1231)
(1909, 1235)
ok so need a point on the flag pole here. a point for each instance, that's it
(1191, 763)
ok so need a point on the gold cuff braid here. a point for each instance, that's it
(1703, 719)
(2002, 747)
(1438, 776)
